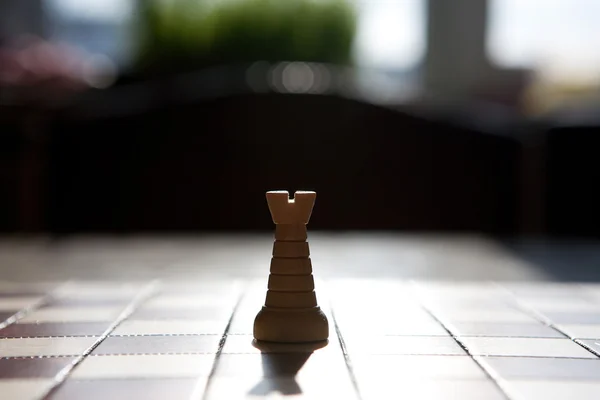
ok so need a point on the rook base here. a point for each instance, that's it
(286, 325)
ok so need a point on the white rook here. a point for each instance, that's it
(291, 313)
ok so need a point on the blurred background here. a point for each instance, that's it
(410, 115)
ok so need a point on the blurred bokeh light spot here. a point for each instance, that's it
(99, 72)
(275, 77)
(322, 79)
(257, 77)
(298, 77)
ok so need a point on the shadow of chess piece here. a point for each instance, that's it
(291, 313)
(279, 374)
(280, 365)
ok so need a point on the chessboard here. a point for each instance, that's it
(389, 339)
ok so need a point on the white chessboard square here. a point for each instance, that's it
(73, 314)
(418, 367)
(450, 306)
(144, 366)
(454, 291)
(45, 347)
(381, 313)
(484, 315)
(98, 290)
(430, 389)
(170, 327)
(411, 324)
(375, 296)
(403, 345)
(392, 327)
(594, 293)
(580, 331)
(559, 304)
(525, 347)
(24, 389)
(243, 319)
(170, 301)
(17, 303)
(546, 289)
(552, 389)
(224, 288)
(242, 325)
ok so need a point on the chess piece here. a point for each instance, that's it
(291, 313)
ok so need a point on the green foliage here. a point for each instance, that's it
(196, 33)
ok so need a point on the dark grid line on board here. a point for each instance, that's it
(488, 373)
(22, 313)
(63, 375)
(347, 358)
(539, 316)
(215, 364)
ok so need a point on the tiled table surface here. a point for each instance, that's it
(394, 339)
(151, 333)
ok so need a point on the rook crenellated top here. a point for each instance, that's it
(291, 211)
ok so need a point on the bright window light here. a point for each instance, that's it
(557, 37)
(391, 33)
(99, 10)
